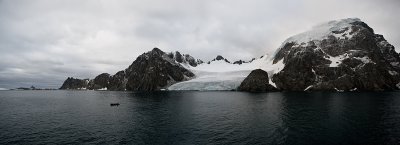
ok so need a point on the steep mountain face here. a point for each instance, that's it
(184, 59)
(99, 82)
(74, 84)
(340, 55)
(118, 81)
(155, 70)
(151, 71)
(257, 81)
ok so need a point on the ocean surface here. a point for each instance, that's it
(192, 117)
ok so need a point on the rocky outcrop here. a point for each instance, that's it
(153, 71)
(239, 62)
(74, 84)
(257, 81)
(184, 59)
(118, 81)
(219, 58)
(343, 55)
(101, 81)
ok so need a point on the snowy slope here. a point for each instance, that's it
(220, 75)
(341, 27)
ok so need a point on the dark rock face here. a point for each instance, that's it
(239, 62)
(257, 81)
(351, 58)
(178, 57)
(184, 58)
(100, 81)
(74, 84)
(219, 57)
(153, 71)
(118, 82)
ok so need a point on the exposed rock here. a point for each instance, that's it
(118, 82)
(154, 70)
(219, 57)
(74, 84)
(347, 56)
(99, 82)
(184, 58)
(178, 57)
(239, 62)
(257, 81)
(151, 71)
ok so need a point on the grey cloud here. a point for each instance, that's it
(44, 41)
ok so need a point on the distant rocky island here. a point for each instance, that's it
(340, 55)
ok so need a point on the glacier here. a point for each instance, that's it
(220, 75)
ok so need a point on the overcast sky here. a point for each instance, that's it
(44, 41)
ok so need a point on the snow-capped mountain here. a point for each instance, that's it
(184, 59)
(150, 71)
(341, 55)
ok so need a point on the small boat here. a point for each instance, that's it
(114, 104)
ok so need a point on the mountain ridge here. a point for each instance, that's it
(340, 55)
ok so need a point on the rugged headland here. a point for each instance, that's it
(340, 55)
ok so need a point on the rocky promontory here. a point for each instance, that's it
(257, 81)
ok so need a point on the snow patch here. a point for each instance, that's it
(354, 89)
(393, 73)
(394, 63)
(102, 89)
(338, 28)
(337, 60)
(309, 87)
(274, 68)
(365, 59)
(272, 83)
(339, 90)
(3, 89)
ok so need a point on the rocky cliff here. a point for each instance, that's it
(342, 55)
(151, 71)
(155, 70)
(257, 81)
(75, 84)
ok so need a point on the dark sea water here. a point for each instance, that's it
(86, 117)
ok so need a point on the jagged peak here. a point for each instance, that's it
(218, 58)
(155, 49)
